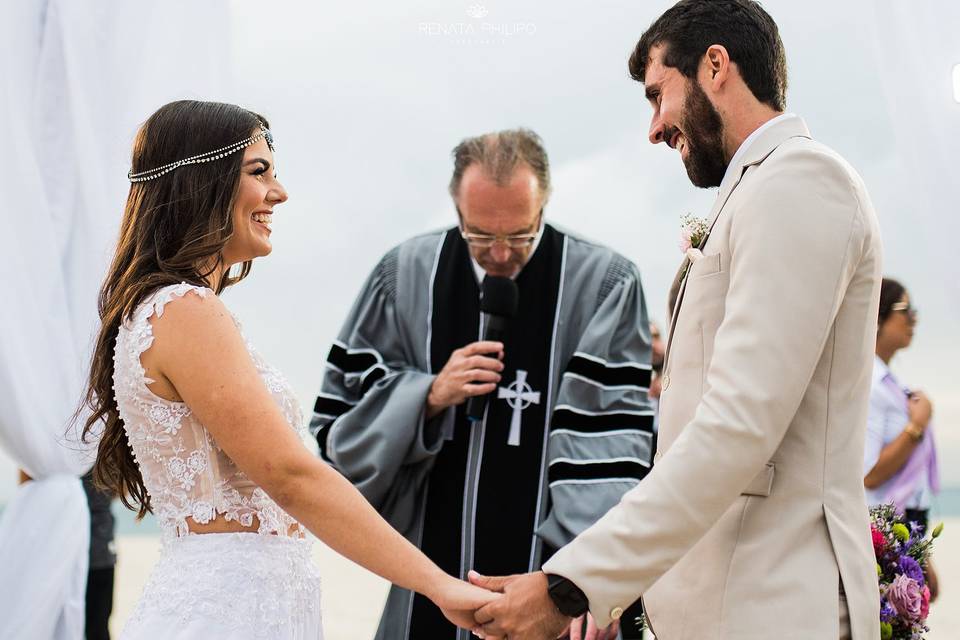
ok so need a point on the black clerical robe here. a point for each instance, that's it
(567, 432)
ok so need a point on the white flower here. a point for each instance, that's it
(693, 232)
(197, 462)
(202, 512)
(166, 417)
(177, 468)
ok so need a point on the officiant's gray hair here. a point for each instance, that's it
(499, 153)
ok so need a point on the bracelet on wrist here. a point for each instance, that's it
(914, 431)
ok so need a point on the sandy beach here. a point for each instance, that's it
(353, 597)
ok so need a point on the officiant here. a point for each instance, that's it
(568, 425)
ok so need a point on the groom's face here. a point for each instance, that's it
(685, 119)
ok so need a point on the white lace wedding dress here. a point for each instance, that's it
(261, 584)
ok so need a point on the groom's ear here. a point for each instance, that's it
(715, 67)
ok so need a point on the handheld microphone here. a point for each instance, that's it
(498, 303)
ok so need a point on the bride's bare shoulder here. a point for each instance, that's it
(195, 324)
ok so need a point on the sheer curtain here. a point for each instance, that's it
(75, 81)
(917, 44)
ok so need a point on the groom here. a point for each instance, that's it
(752, 522)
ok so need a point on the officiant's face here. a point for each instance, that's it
(685, 119)
(502, 210)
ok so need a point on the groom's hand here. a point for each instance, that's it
(525, 610)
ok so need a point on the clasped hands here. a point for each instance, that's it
(523, 610)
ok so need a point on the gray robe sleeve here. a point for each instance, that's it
(601, 437)
(369, 415)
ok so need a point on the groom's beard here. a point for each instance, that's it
(703, 129)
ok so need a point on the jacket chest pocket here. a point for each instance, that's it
(705, 296)
(707, 281)
(701, 311)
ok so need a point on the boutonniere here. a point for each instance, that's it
(693, 231)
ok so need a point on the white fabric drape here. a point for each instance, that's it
(76, 79)
(917, 47)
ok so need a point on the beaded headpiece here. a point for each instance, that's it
(209, 156)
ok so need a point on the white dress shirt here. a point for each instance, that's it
(733, 169)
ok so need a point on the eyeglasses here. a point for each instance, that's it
(514, 241)
(481, 241)
(905, 308)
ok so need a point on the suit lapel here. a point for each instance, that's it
(756, 153)
(680, 280)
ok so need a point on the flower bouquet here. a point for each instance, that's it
(902, 553)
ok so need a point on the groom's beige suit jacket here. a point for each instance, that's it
(754, 511)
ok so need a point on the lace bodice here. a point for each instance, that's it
(186, 474)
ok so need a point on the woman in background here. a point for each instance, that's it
(197, 427)
(900, 459)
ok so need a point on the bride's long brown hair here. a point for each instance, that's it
(174, 229)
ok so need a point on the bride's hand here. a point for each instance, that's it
(459, 600)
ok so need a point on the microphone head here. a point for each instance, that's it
(499, 297)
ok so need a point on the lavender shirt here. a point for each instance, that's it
(913, 485)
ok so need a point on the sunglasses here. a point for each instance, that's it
(905, 308)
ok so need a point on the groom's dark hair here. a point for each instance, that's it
(748, 32)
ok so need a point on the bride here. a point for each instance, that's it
(196, 427)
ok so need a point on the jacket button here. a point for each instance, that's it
(616, 612)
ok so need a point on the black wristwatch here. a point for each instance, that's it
(568, 597)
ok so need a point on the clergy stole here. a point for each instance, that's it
(483, 495)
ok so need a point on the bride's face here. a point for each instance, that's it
(259, 192)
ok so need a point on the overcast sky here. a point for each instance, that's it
(367, 100)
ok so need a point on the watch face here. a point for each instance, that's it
(568, 598)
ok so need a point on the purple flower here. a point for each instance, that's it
(887, 613)
(905, 597)
(911, 568)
